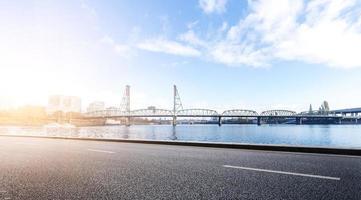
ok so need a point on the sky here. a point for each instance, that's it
(221, 54)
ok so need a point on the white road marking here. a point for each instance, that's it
(101, 151)
(283, 172)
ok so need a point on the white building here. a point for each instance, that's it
(63, 103)
(95, 106)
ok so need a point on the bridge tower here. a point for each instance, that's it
(125, 104)
(177, 104)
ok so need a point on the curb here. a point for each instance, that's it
(261, 147)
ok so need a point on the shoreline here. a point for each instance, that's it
(244, 146)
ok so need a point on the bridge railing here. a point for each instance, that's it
(106, 113)
(197, 112)
(239, 112)
(151, 112)
(278, 113)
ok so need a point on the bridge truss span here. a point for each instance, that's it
(151, 113)
(239, 112)
(278, 113)
(197, 112)
(107, 113)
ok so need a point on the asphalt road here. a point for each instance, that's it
(36, 168)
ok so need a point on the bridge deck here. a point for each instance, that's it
(229, 116)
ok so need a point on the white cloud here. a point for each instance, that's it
(328, 35)
(84, 5)
(319, 31)
(192, 24)
(323, 31)
(191, 38)
(213, 6)
(236, 54)
(224, 27)
(168, 46)
(107, 40)
(123, 50)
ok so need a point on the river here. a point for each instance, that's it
(345, 136)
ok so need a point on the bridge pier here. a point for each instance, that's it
(259, 121)
(219, 121)
(58, 117)
(70, 118)
(299, 120)
(127, 121)
(174, 121)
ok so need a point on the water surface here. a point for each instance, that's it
(346, 136)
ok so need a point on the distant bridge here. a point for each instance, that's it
(124, 112)
(351, 111)
(197, 113)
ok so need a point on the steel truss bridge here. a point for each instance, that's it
(178, 112)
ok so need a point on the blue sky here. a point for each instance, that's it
(222, 54)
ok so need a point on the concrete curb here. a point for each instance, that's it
(262, 147)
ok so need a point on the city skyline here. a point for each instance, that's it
(67, 104)
(92, 49)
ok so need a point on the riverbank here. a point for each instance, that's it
(280, 148)
(328, 136)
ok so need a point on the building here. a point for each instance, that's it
(65, 104)
(95, 106)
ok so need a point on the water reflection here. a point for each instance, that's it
(126, 132)
(308, 135)
(174, 134)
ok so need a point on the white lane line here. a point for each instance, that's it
(283, 172)
(101, 151)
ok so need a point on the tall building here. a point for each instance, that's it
(64, 104)
(95, 106)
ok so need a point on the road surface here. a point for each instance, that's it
(38, 168)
